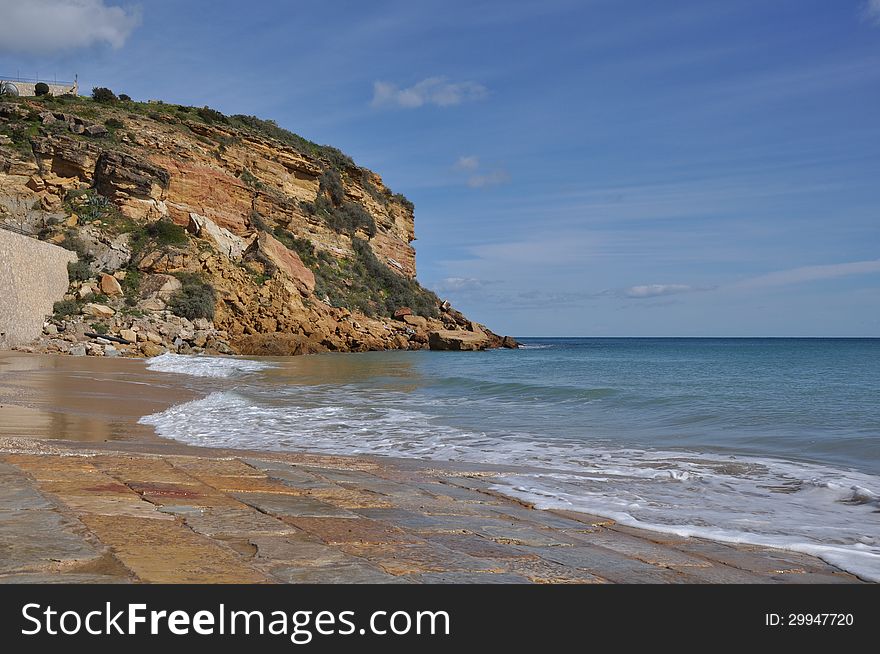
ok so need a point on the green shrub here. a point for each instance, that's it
(270, 129)
(65, 308)
(102, 94)
(349, 218)
(131, 285)
(258, 222)
(366, 284)
(41, 88)
(302, 246)
(114, 123)
(330, 185)
(78, 271)
(124, 98)
(99, 328)
(250, 179)
(73, 243)
(405, 201)
(195, 299)
(211, 115)
(162, 233)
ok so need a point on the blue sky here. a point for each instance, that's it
(604, 167)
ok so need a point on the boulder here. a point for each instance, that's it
(160, 286)
(228, 243)
(277, 344)
(98, 310)
(401, 312)
(78, 350)
(151, 349)
(110, 285)
(84, 291)
(285, 260)
(153, 304)
(448, 339)
(128, 335)
(416, 321)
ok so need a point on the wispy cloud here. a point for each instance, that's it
(458, 284)
(493, 178)
(471, 165)
(467, 163)
(656, 290)
(778, 278)
(871, 11)
(44, 26)
(438, 91)
(810, 274)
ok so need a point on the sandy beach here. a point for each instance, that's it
(90, 495)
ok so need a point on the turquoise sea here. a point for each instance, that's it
(766, 441)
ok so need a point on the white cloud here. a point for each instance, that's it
(433, 90)
(494, 178)
(811, 273)
(871, 11)
(779, 278)
(453, 284)
(467, 163)
(656, 290)
(42, 26)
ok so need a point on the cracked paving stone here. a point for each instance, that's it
(241, 521)
(401, 559)
(352, 530)
(469, 578)
(161, 551)
(611, 565)
(292, 505)
(354, 573)
(32, 539)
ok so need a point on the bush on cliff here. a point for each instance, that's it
(65, 308)
(41, 88)
(103, 94)
(162, 233)
(78, 271)
(366, 284)
(211, 115)
(195, 299)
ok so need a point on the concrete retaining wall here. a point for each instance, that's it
(33, 276)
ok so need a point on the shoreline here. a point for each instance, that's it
(133, 506)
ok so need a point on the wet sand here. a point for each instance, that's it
(88, 495)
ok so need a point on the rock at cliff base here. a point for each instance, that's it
(160, 286)
(110, 285)
(98, 310)
(151, 349)
(402, 312)
(449, 339)
(277, 345)
(416, 321)
(286, 260)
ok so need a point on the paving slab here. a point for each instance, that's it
(163, 551)
(353, 530)
(292, 505)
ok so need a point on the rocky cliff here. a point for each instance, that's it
(197, 231)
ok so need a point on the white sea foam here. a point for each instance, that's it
(819, 510)
(205, 366)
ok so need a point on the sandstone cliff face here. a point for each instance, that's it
(304, 250)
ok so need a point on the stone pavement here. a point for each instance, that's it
(134, 513)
